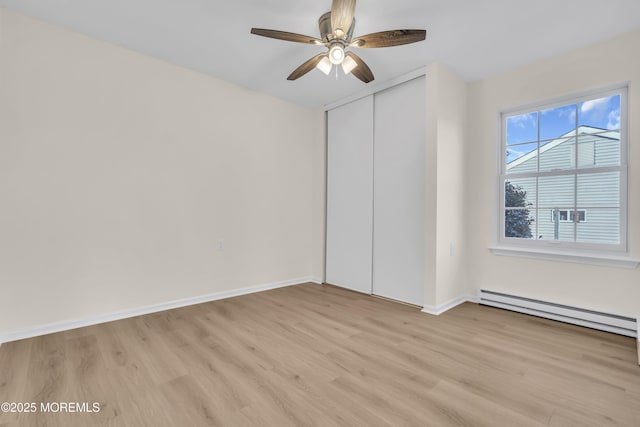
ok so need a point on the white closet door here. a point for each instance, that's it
(399, 199)
(350, 195)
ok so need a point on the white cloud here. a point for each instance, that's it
(595, 105)
(614, 120)
(524, 120)
(568, 111)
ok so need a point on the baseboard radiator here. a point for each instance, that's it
(578, 316)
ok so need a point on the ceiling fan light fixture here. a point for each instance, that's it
(325, 65)
(336, 54)
(348, 64)
(336, 34)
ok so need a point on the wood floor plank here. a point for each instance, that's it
(145, 344)
(465, 408)
(13, 371)
(566, 417)
(313, 355)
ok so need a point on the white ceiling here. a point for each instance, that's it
(475, 38)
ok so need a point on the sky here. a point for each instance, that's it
(601, 113)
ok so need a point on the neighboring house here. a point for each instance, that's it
(598, 205)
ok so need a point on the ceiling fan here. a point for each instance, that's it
(336, 33)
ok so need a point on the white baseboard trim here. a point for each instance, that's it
(51, 328)
(437, 310)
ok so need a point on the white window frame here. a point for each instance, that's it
(572, 251)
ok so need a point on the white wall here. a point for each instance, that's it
(446, 210)
(600, 288)
(119, 172)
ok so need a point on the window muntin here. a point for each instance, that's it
(570, 158)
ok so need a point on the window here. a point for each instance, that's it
(564, 215)
(563, 174)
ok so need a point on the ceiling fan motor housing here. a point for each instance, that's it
(326, 32)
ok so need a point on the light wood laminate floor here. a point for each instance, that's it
(320, 355)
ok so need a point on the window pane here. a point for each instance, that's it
(602, 113)
(520, 193)
(520, 223)
(558, 154)
(522, 128)
(558, 122)
(579, 215)
(556, 192)
(522, 158)
(599, 190)
(601, 225)
(600, 149)
(557, 226)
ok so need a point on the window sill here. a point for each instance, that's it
(575, 257)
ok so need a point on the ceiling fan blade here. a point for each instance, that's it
(342, 12)
(284, 35)
(362, 71)
(307, 66)
(389, 38)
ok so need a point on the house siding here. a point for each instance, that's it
(598, 194)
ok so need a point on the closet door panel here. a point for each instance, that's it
(399, 192)
(350, 195)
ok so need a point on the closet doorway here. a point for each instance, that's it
(376, 193)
